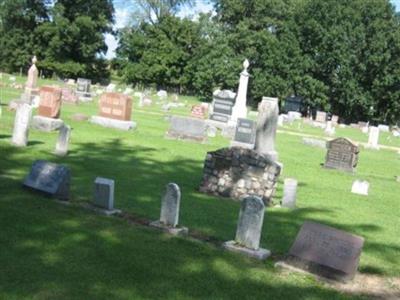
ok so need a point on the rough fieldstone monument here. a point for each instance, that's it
(342, 154)
(104, 196)
(50, 179)
(63, 140)
(21, 125)
(267, 121)
(169, 217)
(249, 228)
(289, 193)
(239, 109)
(326, 251)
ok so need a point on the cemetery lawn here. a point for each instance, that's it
(53, 251)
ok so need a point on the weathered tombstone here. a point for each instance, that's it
(249, 228)
(49, 178)
(373, 138)
(69, 96)
(289, 193)
(267, 120)
(320, 117)
(50, 102)
(329, 129)
(169, 217)
(104, 196)
(83, 89)
(293, 103)
(198, 111)
(326, 251)
(222, 105)
(187, 129)
(21, 125)
(63, 140)
(245, 134)
(162, 94)
(239, 110)
(360, 187)
(342, 154)
(335, 120)
(115, 111)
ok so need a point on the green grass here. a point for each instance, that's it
(50, 251)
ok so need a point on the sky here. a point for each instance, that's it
(124, 8)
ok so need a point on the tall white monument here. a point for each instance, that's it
(240, 110)
(31, 89)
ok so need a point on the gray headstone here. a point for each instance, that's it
(222, 105)
(187, 128)
(342, 154)
(63, 140)
(326, 251)
(49, 178)
(250, 222)
(104, 193)
(289, 193)
(170, 203)
(267, 121)
(21, 125)
(245, 131)
(46, 124)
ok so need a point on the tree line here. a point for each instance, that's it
(341, 56)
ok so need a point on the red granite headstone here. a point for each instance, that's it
(50, 102)
(115, 106)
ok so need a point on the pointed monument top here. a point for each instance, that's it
(246, 64)
(34, 59)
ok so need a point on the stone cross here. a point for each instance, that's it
(239, 109)
(21, 125)
(267, 120)
(63, 140)
(250, 222)
(373, 137)
(170, 203)
(289, 193)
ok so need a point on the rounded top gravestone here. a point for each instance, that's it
(170, 203)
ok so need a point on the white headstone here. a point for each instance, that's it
(63, 140)
(329, 129)
(239, 110)
(289, 193)
(104, 193)
(170, 204)
(384, 128)
(21, 125)
(373, 137)
(360, 187)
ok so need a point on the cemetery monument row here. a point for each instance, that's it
(342, 154)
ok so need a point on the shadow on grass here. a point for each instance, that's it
(57, 251)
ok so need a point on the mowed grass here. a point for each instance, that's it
(51, 251)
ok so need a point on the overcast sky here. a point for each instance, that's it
(123, 9)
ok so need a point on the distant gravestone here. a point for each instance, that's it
(198, 111)
(49, 178)
(384, 128)
(169, 216)
(50, 102)
(63, 140)
(289, 193)
(222, 105)
(342, 154)
(249, 228)
(69, 96)
(21, 125)
(326, 251)
(162, 94)
(245, 135)
(314, 142)
(360, 187)
(335, 120)
(373, 138)
(187, 129)
(320, 117)
(83, 89)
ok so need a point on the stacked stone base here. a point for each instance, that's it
(237, 173)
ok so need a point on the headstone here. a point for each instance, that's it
(245, 134)
(342, 154)
(373, 137)
(46, 124)
(115, 106)
(294, 115)
(281, 119)
(362, 124)
(31, 89)
(360, 187)
(222, 105)
(289, 193)
(187, 129)
(249, 228)
(335, 120)
(384, 128)
(49, 178)
(294, 104)
(21, 125)
(267, 120)
(70, 81)
(104, 196)
(63, 140)
(239, 110)
(320, 117)
(329, 129)
(83, 89)
(69, 96)
(162, 94)
(110, 88)
(170, 204)
(198, 111)
(326, 251)
(50, 102)
(365, 129)
(314, 142)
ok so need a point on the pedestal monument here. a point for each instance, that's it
(240, 109)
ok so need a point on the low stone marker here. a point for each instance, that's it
(326, 251)
(104, 196)
(289, 193)
(50, 178)
(187, 129)
(245, 135)
(63, 140)
(21, 125)
(169, 217)
(314, 142)
(342, 154)
(249, 228)
(360, 187)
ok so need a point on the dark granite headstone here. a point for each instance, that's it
(342, 155)
(223, 102)
(49, 178)
(245, 131)
(326, 251)
(83, 87)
